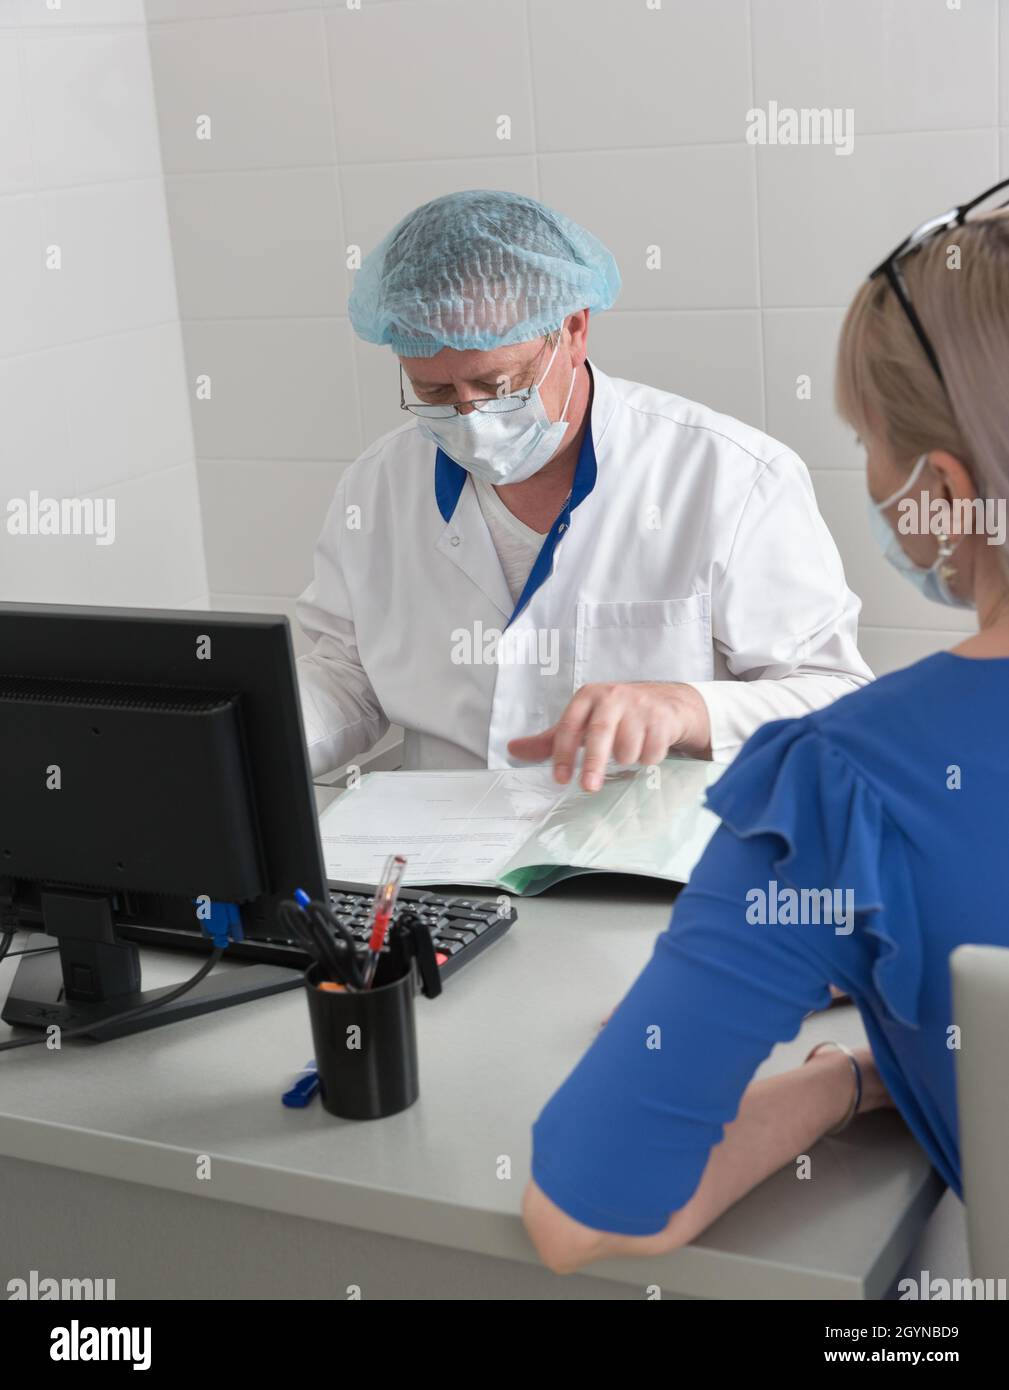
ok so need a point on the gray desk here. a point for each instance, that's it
(99, 1148)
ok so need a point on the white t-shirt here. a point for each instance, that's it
(516, 543)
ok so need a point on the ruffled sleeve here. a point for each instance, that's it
(791, 781)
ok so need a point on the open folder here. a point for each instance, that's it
(516, 829)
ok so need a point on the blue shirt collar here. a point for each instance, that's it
(450, 479)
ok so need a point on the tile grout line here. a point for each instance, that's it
(342, 201)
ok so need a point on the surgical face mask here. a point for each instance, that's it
(932, 582)
(503, 446)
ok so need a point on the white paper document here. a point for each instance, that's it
(517, 829)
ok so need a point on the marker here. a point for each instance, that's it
(303, 1091)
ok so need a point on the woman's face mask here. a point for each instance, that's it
(932, 582)
(507, 446)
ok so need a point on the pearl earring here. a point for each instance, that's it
(946, 570)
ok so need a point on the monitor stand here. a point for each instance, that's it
(38, 996)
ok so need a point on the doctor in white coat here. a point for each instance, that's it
(545, 562)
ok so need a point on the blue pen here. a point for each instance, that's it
(303, 1091)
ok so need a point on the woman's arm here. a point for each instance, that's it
(779, 1118)
(660, 1126)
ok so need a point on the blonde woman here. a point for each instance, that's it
(897, 796)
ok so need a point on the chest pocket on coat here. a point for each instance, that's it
(654, 640)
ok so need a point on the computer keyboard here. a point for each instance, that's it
(461, 928)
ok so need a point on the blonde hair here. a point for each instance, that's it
(886, 386)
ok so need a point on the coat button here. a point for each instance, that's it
(455, 540)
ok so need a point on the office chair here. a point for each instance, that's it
(981, 1010)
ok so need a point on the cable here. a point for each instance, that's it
(29, 951)
(340, 947)
(322, 939)
(296, 922)
(169, 998)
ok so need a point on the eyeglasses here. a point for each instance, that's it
(489, 405)
(890, 267)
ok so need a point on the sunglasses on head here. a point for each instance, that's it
(890, 267)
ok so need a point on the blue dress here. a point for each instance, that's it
(897, 796)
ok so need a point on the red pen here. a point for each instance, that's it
(382, 909)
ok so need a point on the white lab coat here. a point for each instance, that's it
(698, 556)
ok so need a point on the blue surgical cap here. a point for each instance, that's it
(479, 269)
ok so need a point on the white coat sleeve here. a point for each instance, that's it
(783, 618)
(340, 710)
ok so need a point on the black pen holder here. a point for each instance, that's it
(366, 1043)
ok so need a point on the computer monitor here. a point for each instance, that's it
(152, 773)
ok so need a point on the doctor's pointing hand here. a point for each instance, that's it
(544, 562)
(630, 723)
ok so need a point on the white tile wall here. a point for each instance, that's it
(261, 80)
(87, 123)
(263, 499)
(696, 204)
(116, 259)
(21, 275)
(157, 554)
(799, 352)
(125, 397)
(901, 65)
(890, 648)
(50, 14)
(609, 75)
(330, 123)
(280, 388)
(225, 231)
(210, 9)
(92, 382)
(36, 441)
(430, 80)
(826, 220)
(16, 172)
(698, 353)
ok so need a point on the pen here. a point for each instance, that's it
(381, 910)
(313, 928)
